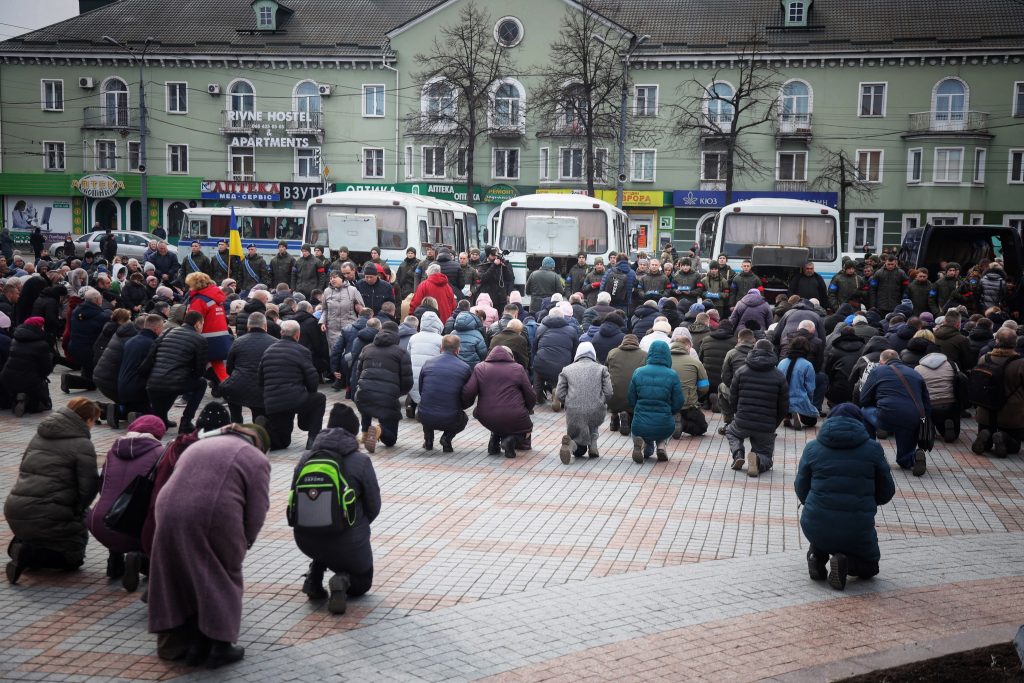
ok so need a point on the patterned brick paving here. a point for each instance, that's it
(466, 533)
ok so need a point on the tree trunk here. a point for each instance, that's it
(589, 153)
(470, 160)
(730, 153)
(842, 192)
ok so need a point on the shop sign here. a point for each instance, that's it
(564, 190)
(301, 192)
(268, 128)
(715, 199)
(450, 192)
(496, 194)
(26, 213)
(226, 190)
(97, 186)
(665, 223)
(651, 198)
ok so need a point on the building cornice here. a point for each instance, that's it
(199, 60)
(847, 58)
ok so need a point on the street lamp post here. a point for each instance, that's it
(634, 43)
(140, 60)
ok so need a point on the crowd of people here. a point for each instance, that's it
(653, 346)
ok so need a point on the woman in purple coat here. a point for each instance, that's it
(505, 400)
(207, 515)
(134, 453)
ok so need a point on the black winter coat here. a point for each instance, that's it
(405, 277)
(376, 294)
(109, 363)
(30, 291)
(242, 319)
(712, 354)
(133, 294)
(87, 321)
(840, 359)
(131, 377)
(47, 306)
(29, 360)
(243, 366)
(759, 393)
(176, 358)
(608, 337)
(281, 270)
(440, 384)
(899, 338)
(385, 374)
(555, 346)
(166, 264)
(643, 320)
(313, 339)
(287, 376)
(734, 360)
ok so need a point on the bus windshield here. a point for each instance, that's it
(391, 223)
(593, 228)
(745, 231)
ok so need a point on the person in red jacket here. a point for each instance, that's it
(208, 299)
(437, 286)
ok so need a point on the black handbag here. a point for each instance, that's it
(128, 513)
(925, 429)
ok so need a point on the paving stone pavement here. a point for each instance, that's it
(527, 569)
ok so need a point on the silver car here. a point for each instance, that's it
(130, 244)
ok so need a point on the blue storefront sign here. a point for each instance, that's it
(715, 199)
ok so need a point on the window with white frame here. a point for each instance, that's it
(949, 165)
(307, 164)
(461, 162)
(410, 162)
(1018, 98)
(241, 96)
(945, 219)
(266, 16)
(872, 99)
(177, 158)
(718, 105)
(438, 101)
(869, 165)
(243, 163)
(949, 105)
(791, 166)
(915, 160)
(796, 12)
(544, 161)
(570, 163)
(980, 156)
(910, 221)
(1015, 173)
(53, 156)
(795, 104)
(601, 164)
(712, 166)
(307, 102)
(507, 106)
(373, 162)
(645, 100)
(373, 101)
(641, 165)
(866, 231)
(572, 110)
(134, 155)
(176, 97)
(106, 155)
(977, 219)
(506, 164)
(52, 95)
(433, 162)
(1015, 221)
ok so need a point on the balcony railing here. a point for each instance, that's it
(946, 122)
(306, 123)
(505, 129)
(716, 123)
(790, 185)
(793, 125)
(126, 118)
(426, 124)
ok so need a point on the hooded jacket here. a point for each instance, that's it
(655, 395)
(385, 374)
(584, 386)
(643, 319)
(840, 359)
(608, 336)
(751, 306)
(286, 375)
(712, 353)
(939, 376)
(29, 361)
(622, 363)
(472, 348)
(801, 385)
(1012, 414)
(842, 478)
(405, 277)
(104, 375)
(900, 337)
(209, 301)
(917, 349)
(759, 395)
(86, 324)
(693, 378)
(436, 286)
(544, 282)
(503, 393)
(423, 346)
(554, 347)
(955, 346)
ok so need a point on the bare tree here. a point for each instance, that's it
(457, 76)
(838, 171)
(580, 85)
(720, 111)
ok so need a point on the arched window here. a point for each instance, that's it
(115, 103)
(438, 101)
(795, 106)
(573, 108)
(307, 98)
(242, 97)
(719, 104)
(508, 105)
(949, 109)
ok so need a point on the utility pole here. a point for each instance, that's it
(140, 60)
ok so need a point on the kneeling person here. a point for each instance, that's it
(584, 388)
(441, 381)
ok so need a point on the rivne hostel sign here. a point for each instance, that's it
(268, 128)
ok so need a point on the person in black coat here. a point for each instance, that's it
(496, 279)
(134, 293)
(165, 262)
(48, 306)
(451, 270)
(385, 374)
(840, 359)
(175, 366)
(607, 336)
(29, 362)
(241, 388)
(86, 325)
(374, 289)
(289, 383)
(643, 318)
(108, 245)
(312, 337)
(809, 285)
(109, 365)
(37, 241)
(440, 383)
(345, 550)
(131, 380)
(759, 398)
(30, 291)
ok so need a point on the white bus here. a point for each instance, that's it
(391, 221)
(533, 226)
(262, 227)
(778, 236)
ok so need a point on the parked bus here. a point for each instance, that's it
(533, 226)
(262, 227)
(778, 236)
(391, 221)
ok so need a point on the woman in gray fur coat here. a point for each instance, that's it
(584, 388)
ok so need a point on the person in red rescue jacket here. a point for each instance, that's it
(208, 299)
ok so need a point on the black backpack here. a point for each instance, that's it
(986, 386)
(617, 284)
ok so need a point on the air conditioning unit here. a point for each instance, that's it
(325, 90)
(213, 88)
(86, 82)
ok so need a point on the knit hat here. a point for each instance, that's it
(556, 298)
(631, 338)
(846, 410)
(651, 303)
(715, 315)
(213, 416)
(662, 326)
(858, 319)
(370, 269)
(306, 247)
(763, 345)
(695, 309)
(149, 267)
(343, 417)
(149, 424)
(282, 243)
(599, 260)
(514, 297)
(548, 262)
(260, 432)
(35, 321)
(927, 318)
(585, 349)
(566, 308)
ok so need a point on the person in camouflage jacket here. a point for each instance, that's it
(844, 285)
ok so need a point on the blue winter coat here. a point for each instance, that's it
(655, 395)
(604, 338)
(884, 390)
(841, 480)
(87, 321)
(643, 320)
(440, 384)
(801, 386)
(472, 347)
(555, 346)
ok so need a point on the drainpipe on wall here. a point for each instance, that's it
(385, 52)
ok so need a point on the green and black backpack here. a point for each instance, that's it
(321, 499)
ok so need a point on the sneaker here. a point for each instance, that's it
(624, 423)
(613, 422)
(738, 462)
(563, 452)
(816, 567)
(949, 431)
(19, 405)
(981, 443)
(556, 405)
(338, 602)
(370, 442)
(508, 444)
(181, 402)
(837, 569)
(132, 569)
(999, 445)
(752, 468)
(920, 465)
(677, 432)
(410, 409)
(662, 455)
(112, 420)
(446, 444)
(638, 450)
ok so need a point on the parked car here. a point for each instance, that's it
(130, 243)
(965, 244)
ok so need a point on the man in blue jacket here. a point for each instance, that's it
(887, 405)
(440, 384)
(131, 380)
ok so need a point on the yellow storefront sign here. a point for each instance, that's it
(634, 197)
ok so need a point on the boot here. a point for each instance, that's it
(222, 653)
(508, 444)
(198, 650)
(428, 439)
(112, 420)
(20, 559)
(115, 565)
(370, 442)
(313, 586)
(638, 450)
(19, 405)
(309, 442)
(410, 408)
(624, 423)
(613, 422)
(677, 431)
(132, 569)
(337, 603)
(563, 452)
(525, 442)
(446, 444)
(493, 446)
(816, 566)
(838, 566)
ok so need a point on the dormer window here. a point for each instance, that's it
(795, 12)
(266, 17)
(270, 14)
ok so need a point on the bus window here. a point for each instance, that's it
(472, 232)
(593, 228)
(743, 231)
(391, 229)
(424, 237)
(460, 235)
(196, 229)
(448, 228)
(219, 226)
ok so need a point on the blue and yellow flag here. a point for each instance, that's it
(235, 241)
